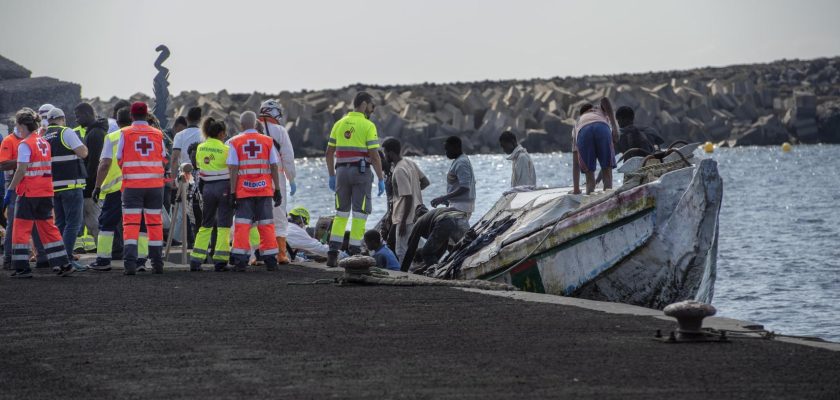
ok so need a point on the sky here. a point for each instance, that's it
(108, 46)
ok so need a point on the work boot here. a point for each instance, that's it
(270, 264)
(157, 267)
(195, 266)
(332, 258)
(282, 257)
(221, 267)
(66, 270)
(130, 270)
(240, 267)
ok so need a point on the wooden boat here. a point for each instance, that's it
(651, 242)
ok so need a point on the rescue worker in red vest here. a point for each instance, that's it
(351, 155)
(141, 157)
(33, 184)
(254, 183)
(68, 177)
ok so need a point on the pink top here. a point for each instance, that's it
(590, 117)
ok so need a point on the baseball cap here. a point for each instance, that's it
(54, 113)
(44, 109)
(139, 108)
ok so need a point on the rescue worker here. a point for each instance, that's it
(255, 180)
(214, 183)
(8, 163)
(141, 155)
(271, 115)
(68, 177)
(33, 184)
(108, 189)
(351, 152)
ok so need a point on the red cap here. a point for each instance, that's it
(139, 108)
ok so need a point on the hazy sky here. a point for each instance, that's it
(247, 45)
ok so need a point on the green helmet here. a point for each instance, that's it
(301, 212)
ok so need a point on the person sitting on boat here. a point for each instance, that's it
(635, 137)
(439, 227)
(593, 140)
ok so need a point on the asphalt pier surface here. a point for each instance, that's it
(252, 335)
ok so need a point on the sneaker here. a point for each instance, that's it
(95, 266)
(55, 269)
(21, 274)
(141, 268)
(195, 266)
(271, 264)
(130, 271)
(66, 270)
(157, 269)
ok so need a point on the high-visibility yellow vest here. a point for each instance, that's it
(211, 160)
(113, 180)
(81, 131)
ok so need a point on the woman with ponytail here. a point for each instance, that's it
(214, 184)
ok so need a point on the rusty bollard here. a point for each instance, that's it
(689, 315)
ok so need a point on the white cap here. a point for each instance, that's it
(44, 109)
(54, 113)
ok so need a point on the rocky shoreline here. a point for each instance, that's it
(757, 104)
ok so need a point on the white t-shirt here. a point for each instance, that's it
(185, 139)
(233, 159)
(23, 153)
(69, 136)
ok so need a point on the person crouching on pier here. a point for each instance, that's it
(34, 187)
(255, 182)
(593, 140)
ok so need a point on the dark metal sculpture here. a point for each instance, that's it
(161, 86)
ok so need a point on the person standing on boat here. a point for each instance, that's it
(460, 180)
(593, 141)
(523, 168)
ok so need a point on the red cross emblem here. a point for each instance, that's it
(44, 147)
(144, 146)
(252, 148)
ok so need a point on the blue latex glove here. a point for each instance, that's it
(332, 183)
(381, 187)
(7, 198)
(292, 188)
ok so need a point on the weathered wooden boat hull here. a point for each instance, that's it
(650, 245)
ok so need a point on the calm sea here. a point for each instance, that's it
(779, 259)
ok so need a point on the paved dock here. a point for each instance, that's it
(252, 335)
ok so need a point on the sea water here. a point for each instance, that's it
(779, 248)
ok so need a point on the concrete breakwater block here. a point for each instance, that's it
(759, 104)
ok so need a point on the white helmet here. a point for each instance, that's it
(272, 108)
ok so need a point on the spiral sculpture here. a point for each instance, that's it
(161, 86)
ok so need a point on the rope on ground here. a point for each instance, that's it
(348, 279)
